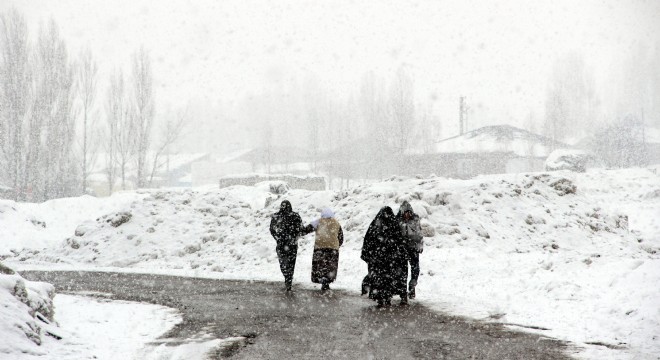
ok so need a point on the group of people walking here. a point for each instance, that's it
(286, 227)
(391, 243)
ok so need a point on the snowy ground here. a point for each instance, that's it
(520, 248)
(93, 327)
(39, 225)
(97, 328)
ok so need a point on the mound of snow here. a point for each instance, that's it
(568, 159)
(26, 307)
(38, 225)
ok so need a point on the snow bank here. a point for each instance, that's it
(568, 159)
(575, 254)
(26, 308)
(38, 225)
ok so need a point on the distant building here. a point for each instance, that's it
(173, 170)
(274, 160)
(487, 150)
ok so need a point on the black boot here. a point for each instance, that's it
(287, 284)
(381, 303)
(411, 289)
(325, 286)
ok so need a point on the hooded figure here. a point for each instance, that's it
(329, 237)
(412, 230)
(384, 251)
(286, 227)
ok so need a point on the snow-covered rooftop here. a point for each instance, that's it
(498, 138)
(175, 161)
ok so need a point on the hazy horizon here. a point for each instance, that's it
(210, 56)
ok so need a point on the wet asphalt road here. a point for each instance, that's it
(308, 324)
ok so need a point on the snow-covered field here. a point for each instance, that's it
(576, 256)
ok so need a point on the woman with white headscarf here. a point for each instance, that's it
(329, 237)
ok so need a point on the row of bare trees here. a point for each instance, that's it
(37, 129)
(55, 121)
(129, 121)
(336, 133)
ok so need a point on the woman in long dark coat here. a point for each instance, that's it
(384, 251)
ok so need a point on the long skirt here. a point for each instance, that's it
(324, 265)
(387, 279)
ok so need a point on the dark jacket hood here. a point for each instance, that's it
(285, 207)
(405, 206)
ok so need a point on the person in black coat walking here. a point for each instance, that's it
(412, 230)
(385, 251)
(286, 226)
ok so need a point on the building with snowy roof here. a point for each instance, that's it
(486, 150)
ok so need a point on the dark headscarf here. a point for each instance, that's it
(383, 223)
(285, 207)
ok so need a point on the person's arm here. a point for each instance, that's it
(304, 230)
(365, 254)
(417, 229)
(273, 227)
(419, 237)
(341, 236)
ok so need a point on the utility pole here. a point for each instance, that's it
(462, 115)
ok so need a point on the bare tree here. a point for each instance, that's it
(427, 131)
(15, 84)
(86, 81)
(376, 124)
(52, 110)
(171, 132)
(403, 109)
(114, 110)
(142, 110)
(571, 102)
(122, 144)
(268, 146)
(313, 112)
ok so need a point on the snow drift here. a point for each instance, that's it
(27, 307)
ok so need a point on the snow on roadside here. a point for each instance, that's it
(36, 323)
(576, 254)
(22, 303)
(97, 328)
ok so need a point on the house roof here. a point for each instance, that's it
(498, 138)
(176, 161)
(277, 154)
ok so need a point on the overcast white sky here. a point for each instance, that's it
(498, 53)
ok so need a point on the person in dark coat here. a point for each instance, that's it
(384, 250)
(286, 227)
(412, 230)
(329, 237)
